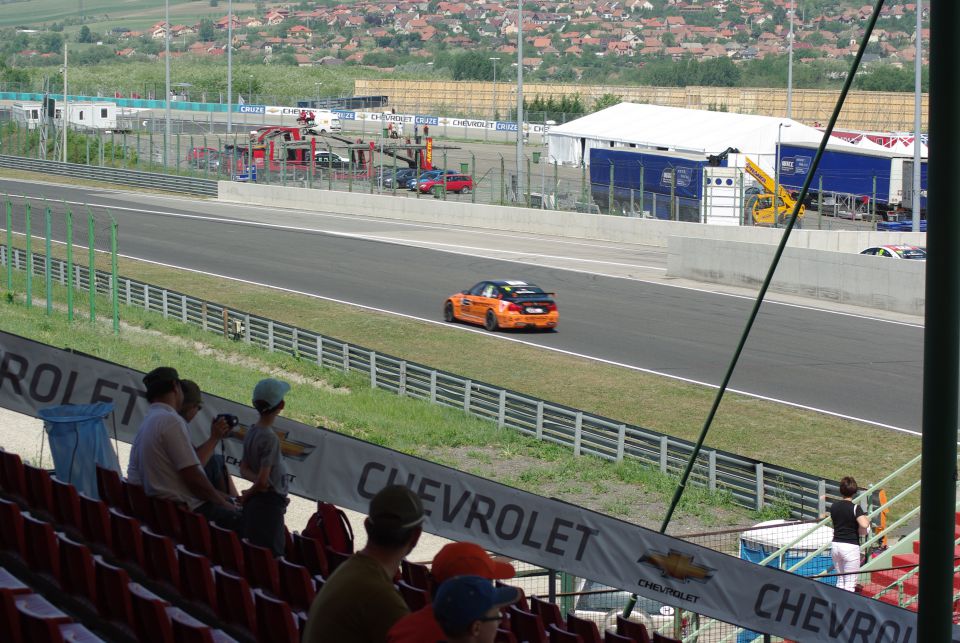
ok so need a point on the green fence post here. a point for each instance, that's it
(87, 139)
(92, 285)
(113, 150)
(349, 178)
(819, 203)
(556, 186)
(503, 181)
(583, 182)
(641, 189)
(526, 198)
(176, 159)
(136, 163)
(330, 167)
(27, 228)
(873, 200)
(69, 265)
(473, 173)
(149, 160)
(9, 209)
(114, 286)
(610, 191)
(126, 155)
(47, 275)
(444, 175)
(394, 184)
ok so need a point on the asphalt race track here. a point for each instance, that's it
(614, 302)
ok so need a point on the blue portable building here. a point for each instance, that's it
(647, 181)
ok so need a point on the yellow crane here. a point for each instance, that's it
(760, 207)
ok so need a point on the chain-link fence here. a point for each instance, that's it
(366, 158)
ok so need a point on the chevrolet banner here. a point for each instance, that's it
(460, 506)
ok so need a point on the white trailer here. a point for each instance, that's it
(99, 115)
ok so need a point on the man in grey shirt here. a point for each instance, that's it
(265, 503)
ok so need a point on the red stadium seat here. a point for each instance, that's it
(587, 630)
(612, 637)
(548, 612)
(234, 599)
(557, 635)
(522, 601)
(9, 617)
(632, 629)
(139, 503)
(227, 551)
(127, 539)
(77, 574)
(113, 593)
(12, 477)
(11, 528)
(160, 558)
(417, 575)
(166, 517)
(261, 567)
(414, 597)
(660, 638)
(275, 620)
(95, 520)
(311, 554)
(195, 532)
(335, 558)
(296, 585)
(150, 615)
(12, 584)
(110, 487)
(66, 504)
(196, 578)
(187, 629)
(39, 489)
(77, 633)
(43, 553)
(40, 626)
(527, 626)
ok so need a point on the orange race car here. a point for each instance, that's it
(503, 304)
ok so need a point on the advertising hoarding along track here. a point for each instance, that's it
(461, 506)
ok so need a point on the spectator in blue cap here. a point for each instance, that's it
(468, 608)
(265, 502)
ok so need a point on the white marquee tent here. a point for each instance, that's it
(653, 127)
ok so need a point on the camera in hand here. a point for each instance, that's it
(232, 420)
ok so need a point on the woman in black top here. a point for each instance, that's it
(849, 523)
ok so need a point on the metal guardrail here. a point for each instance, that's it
(135, 178)
(751, 483)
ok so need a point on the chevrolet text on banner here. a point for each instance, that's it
(460, 506)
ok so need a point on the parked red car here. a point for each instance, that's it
(461, 183)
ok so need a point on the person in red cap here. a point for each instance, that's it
(455, 559)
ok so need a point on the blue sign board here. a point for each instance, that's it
(345, 115)
(427, 120)
(506, 127)
(252, 109)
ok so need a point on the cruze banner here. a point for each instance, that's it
(460, 506)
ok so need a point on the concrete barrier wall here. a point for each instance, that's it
(841, 277)
(575, 225)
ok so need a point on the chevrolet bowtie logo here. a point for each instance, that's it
(677, 565)
(289, 448)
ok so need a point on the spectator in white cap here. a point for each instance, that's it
(265, 502)
(468, 608)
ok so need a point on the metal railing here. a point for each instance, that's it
(135, 178)
(750, 483)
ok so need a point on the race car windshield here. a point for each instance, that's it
(517, 292)
(913, 253)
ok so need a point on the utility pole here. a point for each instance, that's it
(63, 110)
(917, 117)
(790, 64)
(166, 39)
(519, 96)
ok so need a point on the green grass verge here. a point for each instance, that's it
(346, 403)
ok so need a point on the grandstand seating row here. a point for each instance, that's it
(89, 548)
